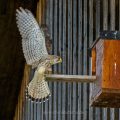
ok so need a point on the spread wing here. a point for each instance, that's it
(33, 39)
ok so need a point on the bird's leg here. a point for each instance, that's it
(48, 70)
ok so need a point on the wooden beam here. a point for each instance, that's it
(20, 112)
(70, 78)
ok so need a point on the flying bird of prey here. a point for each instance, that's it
(35, 53)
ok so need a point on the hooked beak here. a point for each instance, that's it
(60, 60)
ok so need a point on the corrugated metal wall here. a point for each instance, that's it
(73, 26)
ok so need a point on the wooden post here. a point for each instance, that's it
(21, 99)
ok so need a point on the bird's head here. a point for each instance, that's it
(55, 59)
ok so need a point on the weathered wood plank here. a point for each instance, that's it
(64, 35)
(34, 110)
(97, 110)
(43, 2)
(55, 46)
(51, 22)
(105, 15)
(41, 111)
(46, 109)
(69, 58)
(105, 27)
(97, 18)
(74, 55)
(112, 14)
(91, 109)
(47, 12)
(85, 60)
(38, 111)
(59, 107)
(39, 12)
(80, 60)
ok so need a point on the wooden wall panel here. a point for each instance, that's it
(83, 24)
(73, 26)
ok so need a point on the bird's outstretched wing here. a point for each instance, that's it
(35, 52)
(33, 39)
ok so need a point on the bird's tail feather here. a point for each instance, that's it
(38, 90)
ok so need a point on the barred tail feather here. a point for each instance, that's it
(39, 92)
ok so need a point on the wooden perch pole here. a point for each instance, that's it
(70, 78)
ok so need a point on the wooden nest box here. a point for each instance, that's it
(105, 52)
